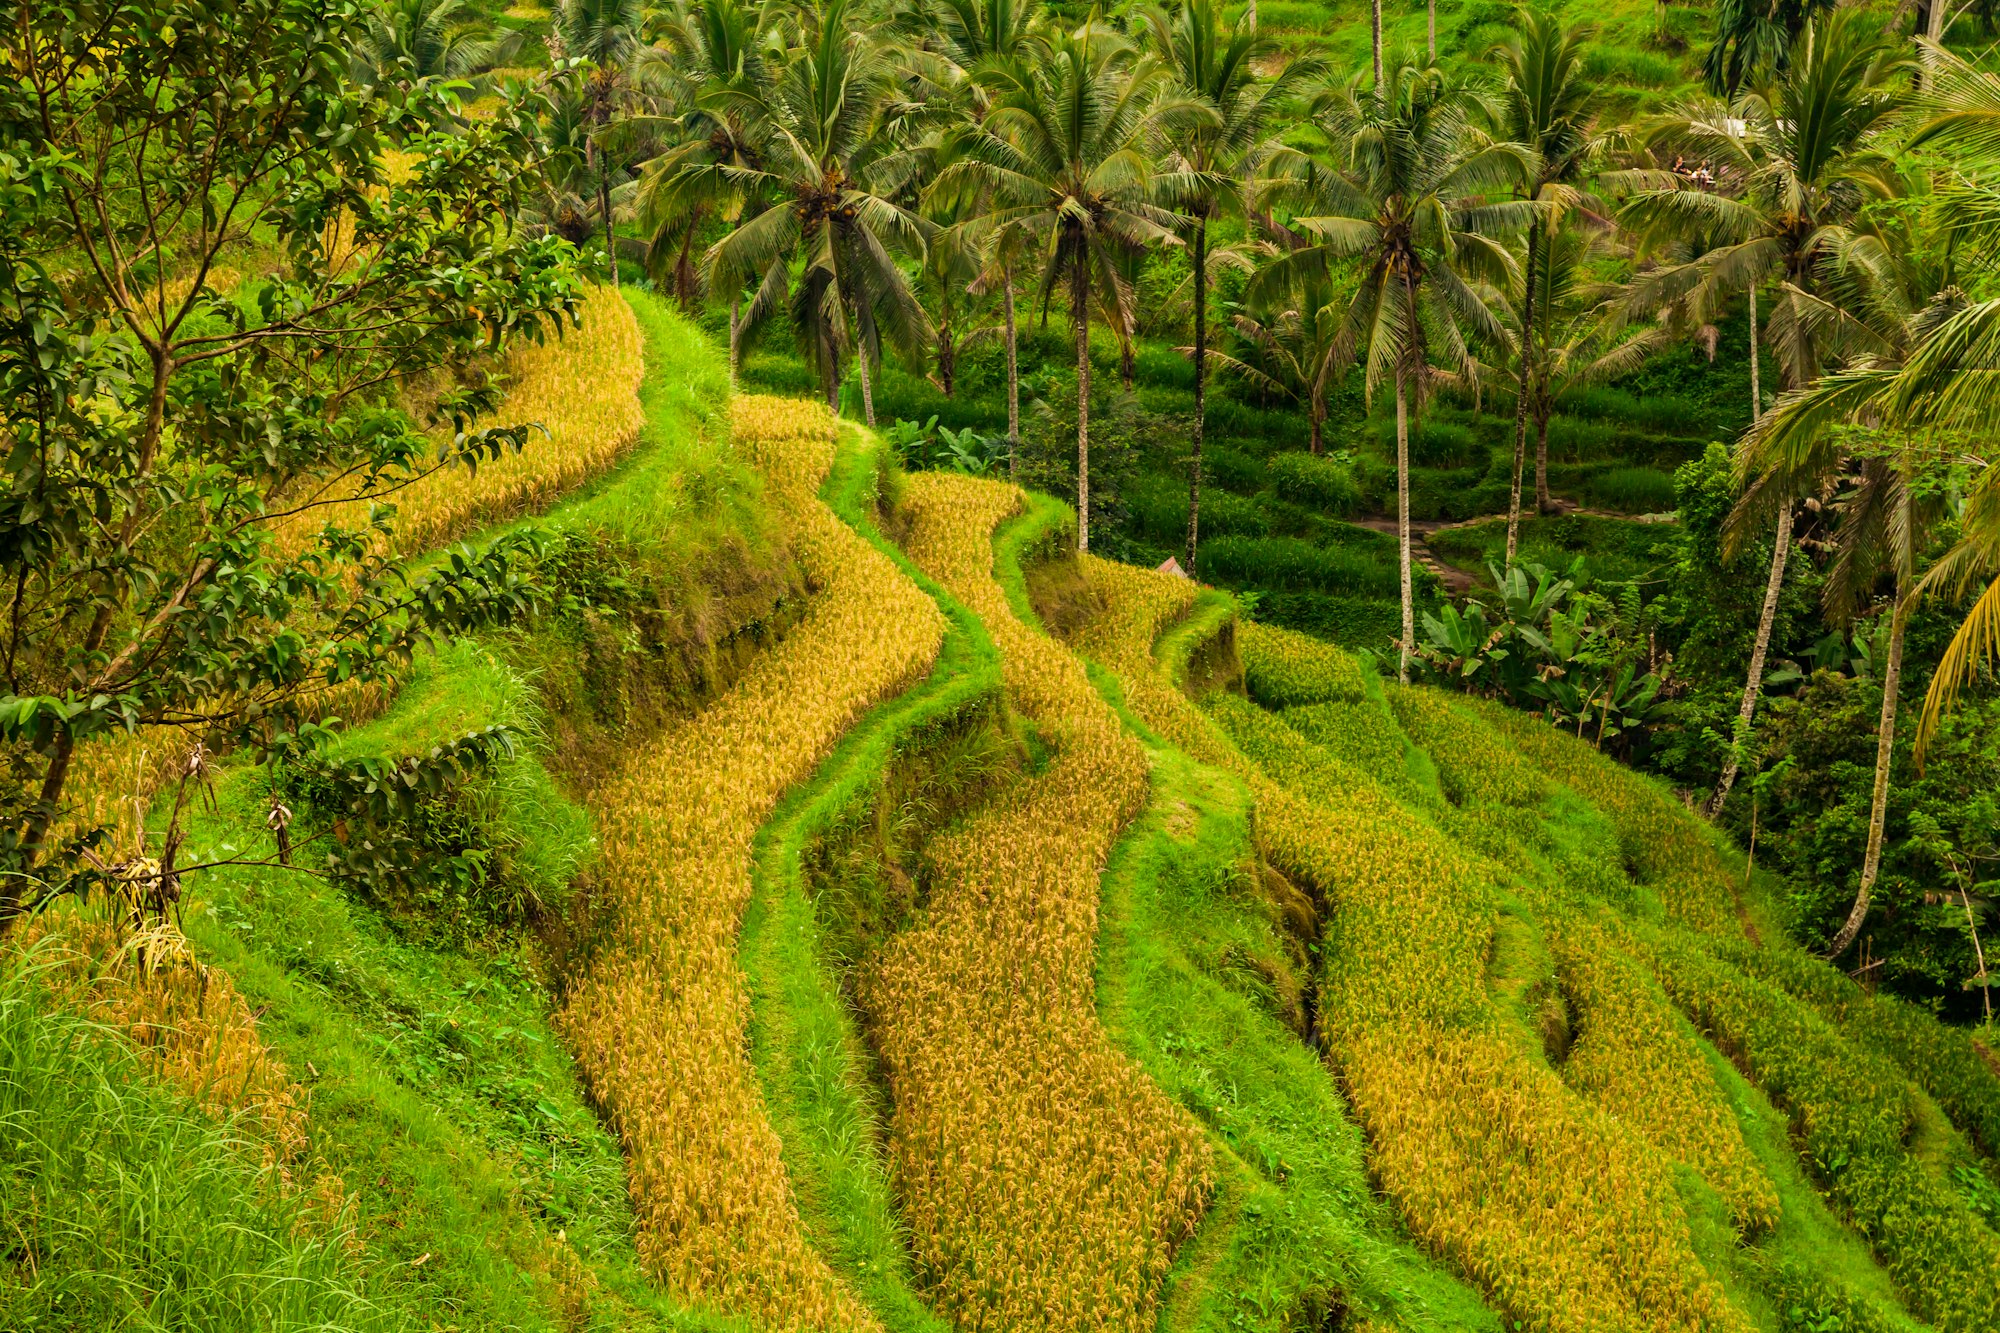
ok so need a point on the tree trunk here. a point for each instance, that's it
(1878, 809)
(1431, 21)
(1752, 686)
(1521, 400)
(867, 384)
(35, 829)
(1080, 317)
(1772, 586)
(1013, 375)
(1933, 32)
(1544, 504)
(1403, 525)
(604, 211)
(1251, 14)
(1200, 387)
(1318, 422)
(735, 337)
(1756, 382)
(1375, 21)
(947, 358)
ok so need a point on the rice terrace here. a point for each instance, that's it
(972, 666)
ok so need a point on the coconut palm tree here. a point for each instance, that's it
(405, 40)
(1062, 155)
(707, 48)
(1797, 164)
(1292, 350)
(607, 34)
(1579, 342)
(825, 134)
(1209, 157)
(1550, 105)
(1402, 197)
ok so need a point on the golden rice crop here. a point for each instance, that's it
(1667, 848)
(1634, 1055)
(1282, 667)
(659, 1018)
(1044, 1180)
(1474, 765)
(583, 388)
(1548, 1201)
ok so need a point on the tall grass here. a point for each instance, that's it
(1045, 1182)
(127, 1206)
(658, 1018)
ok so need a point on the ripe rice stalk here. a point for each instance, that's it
(582, 388)
(1553, 1206)
(1045, 1181)
(658, 1018)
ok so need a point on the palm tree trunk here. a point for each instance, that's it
(1756, 384)
(1200, 386)
(1251, 14)
(1403, 526)
(735, 336)
(1543, 503)
(1768, 617)
(1375, 19)
(1878, 809)
(1013, 374)
(1318, 419)
(867, 384)
(1080, 317)
(604, 212)
(1773, 585)
(1431, 20)
(1521, 398)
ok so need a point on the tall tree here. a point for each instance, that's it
(1063, 154)
(404, 40)
(157, 430)
(607, 34)
(1798, 163)
(1754, 39)
(1209, 157)
(825, 131)
(709, 50)
(1400, 197)
(1292, 349)
(1549, 104)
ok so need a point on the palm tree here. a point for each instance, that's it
(607, 34)
(1402, 199)
(825, 133)
(1801, 161)
(1754, 39)
(1549, 105)
(1210, 156)
(1886, 521)
(991, 42)
(1293, 351)
(1062, 155)
(708, 48)
(1568, 315)
(406, 40)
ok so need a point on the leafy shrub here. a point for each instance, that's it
(1316, 480)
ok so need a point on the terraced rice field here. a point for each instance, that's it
(1045, 1183)
(659, 1019)
(1553, 1206)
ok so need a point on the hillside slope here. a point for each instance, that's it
(890, 919)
